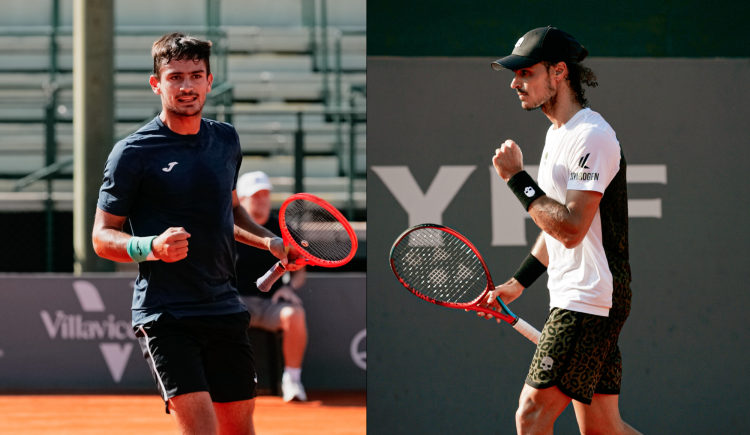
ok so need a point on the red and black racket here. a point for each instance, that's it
(318, 233)
(441, 266)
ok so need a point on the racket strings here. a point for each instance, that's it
(439, 265)
(317, 230)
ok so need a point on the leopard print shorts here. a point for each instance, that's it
(578, 353)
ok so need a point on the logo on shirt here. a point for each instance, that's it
(584, 176)
(171, 165)
(582, 162)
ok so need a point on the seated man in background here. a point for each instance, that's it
(280, 308)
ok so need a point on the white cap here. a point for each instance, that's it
(252, 182)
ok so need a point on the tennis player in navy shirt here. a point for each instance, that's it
(174, 180)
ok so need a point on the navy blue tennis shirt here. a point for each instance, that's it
(160, 179)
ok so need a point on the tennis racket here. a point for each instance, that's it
(441, 266)
(318, 233)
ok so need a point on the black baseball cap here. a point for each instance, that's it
(543, 44)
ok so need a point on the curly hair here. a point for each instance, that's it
(178, 46)
(578, 75)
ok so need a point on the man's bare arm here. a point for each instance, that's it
(539, 250)
(248, 232)
(512, 289)
(111, 242)
(567, 222)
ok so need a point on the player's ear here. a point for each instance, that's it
(561, 69)
(210, 79)
(155, 85)
(558, 71)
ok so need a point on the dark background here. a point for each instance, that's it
(26, 233)
(634, 28)
(441, 371)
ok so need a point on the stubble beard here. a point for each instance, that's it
(176, 111)
(546, 102)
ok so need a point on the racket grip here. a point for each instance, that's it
(265, 282)
(527, 330)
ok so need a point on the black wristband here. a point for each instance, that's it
(525, 188)
(530, 270)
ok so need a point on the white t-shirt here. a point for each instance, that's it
(583, 154)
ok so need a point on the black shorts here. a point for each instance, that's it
(200, 353)
(578, 353)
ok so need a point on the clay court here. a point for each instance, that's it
(325, 413)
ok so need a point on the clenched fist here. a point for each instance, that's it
(171, 245)
(508, 160)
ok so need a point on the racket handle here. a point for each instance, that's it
(265, 282)
(527, 330)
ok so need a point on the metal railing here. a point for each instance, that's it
(352, 116)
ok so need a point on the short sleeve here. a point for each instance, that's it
(594, 161)
(239, 161)
(122, 176)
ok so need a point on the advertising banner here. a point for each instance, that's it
(64, 333)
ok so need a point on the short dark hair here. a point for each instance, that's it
(179, 46)
(578, 75)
